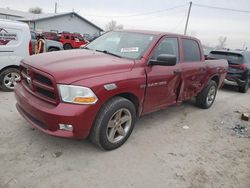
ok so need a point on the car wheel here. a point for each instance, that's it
(245, 87)
(114, 123)
(53, 49)
(206, 97)
(67, 47)
(9, 78)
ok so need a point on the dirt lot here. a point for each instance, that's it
(159, 153)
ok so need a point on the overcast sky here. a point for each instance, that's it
(206, 24)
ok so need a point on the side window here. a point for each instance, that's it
(66, 37)
(33, 36)
(167, 46)
(191, 50)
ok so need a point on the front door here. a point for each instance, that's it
(162, 81)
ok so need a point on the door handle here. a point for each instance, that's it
(177, 71)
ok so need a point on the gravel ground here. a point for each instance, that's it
(182, 146)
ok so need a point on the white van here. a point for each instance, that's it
(15, 45)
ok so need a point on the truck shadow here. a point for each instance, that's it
(230, 88)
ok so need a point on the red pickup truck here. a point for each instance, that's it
(98, 92)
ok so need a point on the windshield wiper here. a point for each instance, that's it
(110, 53)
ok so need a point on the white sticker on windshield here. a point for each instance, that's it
(130, 49)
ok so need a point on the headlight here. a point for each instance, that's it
(77, 94)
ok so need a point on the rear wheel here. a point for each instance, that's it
(206, 97)
(9, 78)
(244, 88)
(114, 123)
(67, 46)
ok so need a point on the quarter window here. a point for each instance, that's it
(191, 50)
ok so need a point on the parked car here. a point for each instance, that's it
(50, 35)
(70, 40)
(50, 45)
(239, 67)
(89, 37)
(98, 92)
(15, 44)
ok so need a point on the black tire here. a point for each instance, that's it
(244, 88)
(52, 49)
(99, 132)
(203, 99)
(7, 73)
(67, 47)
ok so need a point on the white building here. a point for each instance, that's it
(70, 22)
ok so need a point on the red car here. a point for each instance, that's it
(98, 92)
(71, 40)
(50, 36)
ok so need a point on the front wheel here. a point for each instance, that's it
(67, 47)
(206, 97)
(9, 78)
(114, 123)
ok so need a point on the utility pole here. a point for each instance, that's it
(55, 7)
(189, 10)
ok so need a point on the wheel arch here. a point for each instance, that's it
(133, 98)
(56, 47)
(8, 67)
(216, 78)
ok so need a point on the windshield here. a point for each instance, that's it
(123, 44)
(231, 57)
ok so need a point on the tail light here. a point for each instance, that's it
(30, 47)
(243, 67)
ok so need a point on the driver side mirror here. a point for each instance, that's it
(164, 60)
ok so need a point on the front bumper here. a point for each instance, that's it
(47, 117)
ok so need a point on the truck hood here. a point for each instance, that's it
(74, 65)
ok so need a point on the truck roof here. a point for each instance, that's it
(158, 33)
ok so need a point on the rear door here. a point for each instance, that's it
(194, 69)
(162, 81)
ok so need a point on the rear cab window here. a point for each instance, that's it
(191, 50)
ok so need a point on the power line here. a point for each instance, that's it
(140, 14)
(221, 8)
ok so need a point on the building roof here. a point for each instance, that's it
(26, 16)
(15, 13)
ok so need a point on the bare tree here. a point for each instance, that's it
(36, 10)
(112, 25)
(222, 42)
